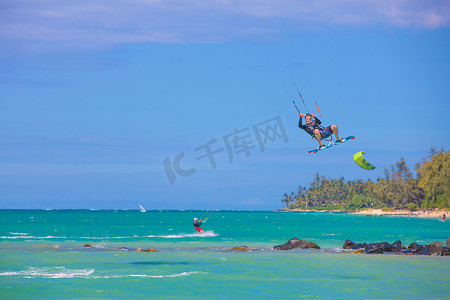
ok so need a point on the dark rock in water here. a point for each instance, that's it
(387, 247)
(405, 251)
(365, 247)
(397, 246)
(379, 248)
(240, 249)
(384, 246)
(413, 245)
(418, 251)
(448, 243)
(435, 248)
(416, 248)
(445, 249)
(124, 249)
(150, 250)
(296, 244)
(374, 251)
(359, 251)
(348, 244)
(374, 248)
(352, 245)
(88, 245)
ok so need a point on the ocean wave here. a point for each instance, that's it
(19, 235)
(31, 237)
(166, 236)
(47, 272)
(62, 272)
(104, 237)
(183, 235)
(336, 250)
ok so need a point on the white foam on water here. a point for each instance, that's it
(32, 237)
(336, 250)
(183, 274)
(19, 235)
(47, 272)
(183, 235)
(105, 237)
(24, 236)
(100, 246)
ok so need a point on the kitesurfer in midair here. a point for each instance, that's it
(197, 224)
(316, 131)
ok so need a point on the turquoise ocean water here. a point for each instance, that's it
(42, 256)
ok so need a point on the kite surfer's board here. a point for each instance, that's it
(331, 144)
(319, 149)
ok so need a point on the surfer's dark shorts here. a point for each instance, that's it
(326, 132)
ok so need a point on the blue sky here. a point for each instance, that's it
(95, 96)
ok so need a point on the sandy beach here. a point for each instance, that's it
(404, 212)
(378, 212)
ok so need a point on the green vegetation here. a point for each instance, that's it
(398, 189)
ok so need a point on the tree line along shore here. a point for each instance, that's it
(399, 192)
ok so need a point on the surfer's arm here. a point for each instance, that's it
(300, 125)
(317, 121)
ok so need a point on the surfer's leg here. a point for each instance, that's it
(335, 131)
(318, 136)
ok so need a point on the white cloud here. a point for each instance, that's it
(97, 23)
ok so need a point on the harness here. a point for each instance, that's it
(320, 127)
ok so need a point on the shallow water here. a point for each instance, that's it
(43, 256)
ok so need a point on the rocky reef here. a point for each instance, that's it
(296, 243)
(436, 248)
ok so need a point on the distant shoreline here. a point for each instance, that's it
(379, 212)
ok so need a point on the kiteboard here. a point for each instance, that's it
(331, 144)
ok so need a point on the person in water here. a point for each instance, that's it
(316, 131)
(197, 224)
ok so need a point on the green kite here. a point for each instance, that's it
(362, 162)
